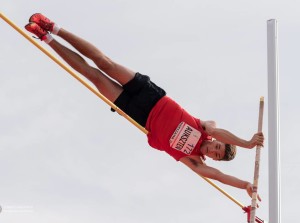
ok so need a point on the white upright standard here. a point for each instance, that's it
(273, 122)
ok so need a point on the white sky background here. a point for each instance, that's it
(66, 158)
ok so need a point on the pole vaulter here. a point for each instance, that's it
(247, 209)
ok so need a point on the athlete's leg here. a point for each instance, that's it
(111, 68)
(116, 71)
(106, 86)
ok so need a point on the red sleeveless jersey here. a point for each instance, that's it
(174, 130)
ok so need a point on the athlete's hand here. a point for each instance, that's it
(257, 140)
(249, 189)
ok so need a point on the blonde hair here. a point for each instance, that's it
(230, 152)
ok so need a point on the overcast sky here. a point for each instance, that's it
(66, 158)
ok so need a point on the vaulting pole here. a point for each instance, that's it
(273, 121)
(101, 96)
(257, 163)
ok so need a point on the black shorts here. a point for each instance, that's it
(139, 97)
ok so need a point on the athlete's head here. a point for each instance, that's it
(218, 150)
(230, 151)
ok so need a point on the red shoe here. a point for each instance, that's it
(42, 21)
(36, 30)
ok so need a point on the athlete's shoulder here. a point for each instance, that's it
(208, 126)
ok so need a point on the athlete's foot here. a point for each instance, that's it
(36, 30)
(43, 22)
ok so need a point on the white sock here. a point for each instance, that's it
(48, 39)
(56, 29)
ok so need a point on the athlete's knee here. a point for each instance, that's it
(93, 74)
(104, 62)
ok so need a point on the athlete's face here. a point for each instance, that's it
(213, 149)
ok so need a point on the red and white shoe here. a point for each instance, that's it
(36, 30)
(42, 21)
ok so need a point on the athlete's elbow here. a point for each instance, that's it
(215, 175)
(222, 178)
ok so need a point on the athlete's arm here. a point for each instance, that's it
(195, 164)
(228, 137)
